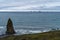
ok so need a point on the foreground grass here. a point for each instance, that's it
(52, 35)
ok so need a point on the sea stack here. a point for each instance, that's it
(10, 29)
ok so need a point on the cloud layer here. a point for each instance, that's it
(29, 4)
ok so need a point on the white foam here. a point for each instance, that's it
(22, 31)
(1, 27)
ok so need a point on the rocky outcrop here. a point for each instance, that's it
(10, 29)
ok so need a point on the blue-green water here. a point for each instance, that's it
(30, 22)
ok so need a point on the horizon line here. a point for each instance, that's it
(29, 10)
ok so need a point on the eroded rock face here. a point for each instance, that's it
(10, 29)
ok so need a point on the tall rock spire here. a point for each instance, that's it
(10, 29)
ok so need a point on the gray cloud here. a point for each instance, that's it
(29, 4)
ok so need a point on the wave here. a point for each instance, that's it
(23, 31)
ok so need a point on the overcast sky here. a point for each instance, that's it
(29, 4)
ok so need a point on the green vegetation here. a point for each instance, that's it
(52, 35)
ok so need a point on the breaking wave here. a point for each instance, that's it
(25, 30)
(22, 31)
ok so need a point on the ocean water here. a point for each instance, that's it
(30, 22)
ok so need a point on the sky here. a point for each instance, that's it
(29, 5)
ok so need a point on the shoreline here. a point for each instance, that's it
(38, 36)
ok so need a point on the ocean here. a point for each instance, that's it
(30, 22)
